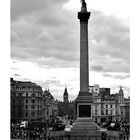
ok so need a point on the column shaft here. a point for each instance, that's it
(84, 70)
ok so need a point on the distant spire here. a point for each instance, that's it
(65, 95)
(121, 90)
(48, 90)
(65, 89)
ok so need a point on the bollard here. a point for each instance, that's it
(120, 136)
(68, 136)
(104, 136)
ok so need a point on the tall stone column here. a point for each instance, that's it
(83, 16)
(84, 103)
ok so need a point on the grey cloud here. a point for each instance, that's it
(111, 46)
(45, 30)
(14, 68)
(22, 7)
(17, 75)
(121, 77)
(52, 20)
(111, 35)
(97, 68)
(108, 64)
(14, 37)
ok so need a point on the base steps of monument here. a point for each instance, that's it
(85, 127)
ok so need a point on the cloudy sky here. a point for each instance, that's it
(45, 43)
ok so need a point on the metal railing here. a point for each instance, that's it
(78, 137)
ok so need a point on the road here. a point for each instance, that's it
(56, 133)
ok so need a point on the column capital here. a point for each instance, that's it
(83, 16)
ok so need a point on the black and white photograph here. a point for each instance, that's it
(69, 70)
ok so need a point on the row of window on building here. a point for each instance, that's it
(26, 94)
(106, 106)
(33, 101)
(107, 112)
(25, 87)
(27, 114)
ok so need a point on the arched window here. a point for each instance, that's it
(20, 94)
(33, 114)
(26, 94)
(33, 95)
(26, 114)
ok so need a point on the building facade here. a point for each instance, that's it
(50, 106)
(26, 101)
(108, 106)
(127, 109)
(66, 107)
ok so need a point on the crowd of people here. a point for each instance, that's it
(27, 133)
(43, 133)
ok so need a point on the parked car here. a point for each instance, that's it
(114, 127)
(67, 129)
(58, 125)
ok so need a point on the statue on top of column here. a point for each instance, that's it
(84, 5)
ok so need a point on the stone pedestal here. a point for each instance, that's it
(85, 127)
(84, 124)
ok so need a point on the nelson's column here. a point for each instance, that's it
(83, 104)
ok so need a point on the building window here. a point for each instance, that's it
(26, 114)
(19, 114)
(19, 100)
(102, 112)
(96, 120)
(20, 94)
(33, 101)
(106, 106)
(96, 111)
(14, 107)
(38, 106)
(111, 112)
(111, 106)
(33, 95)
(26, 106)
(19, 107)
(106, 112)
(102, 106)
(33, 114)
(26, 94)
(33, 107)
(26, 101)
(13, 101)
(95, 106)
(38, 113)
